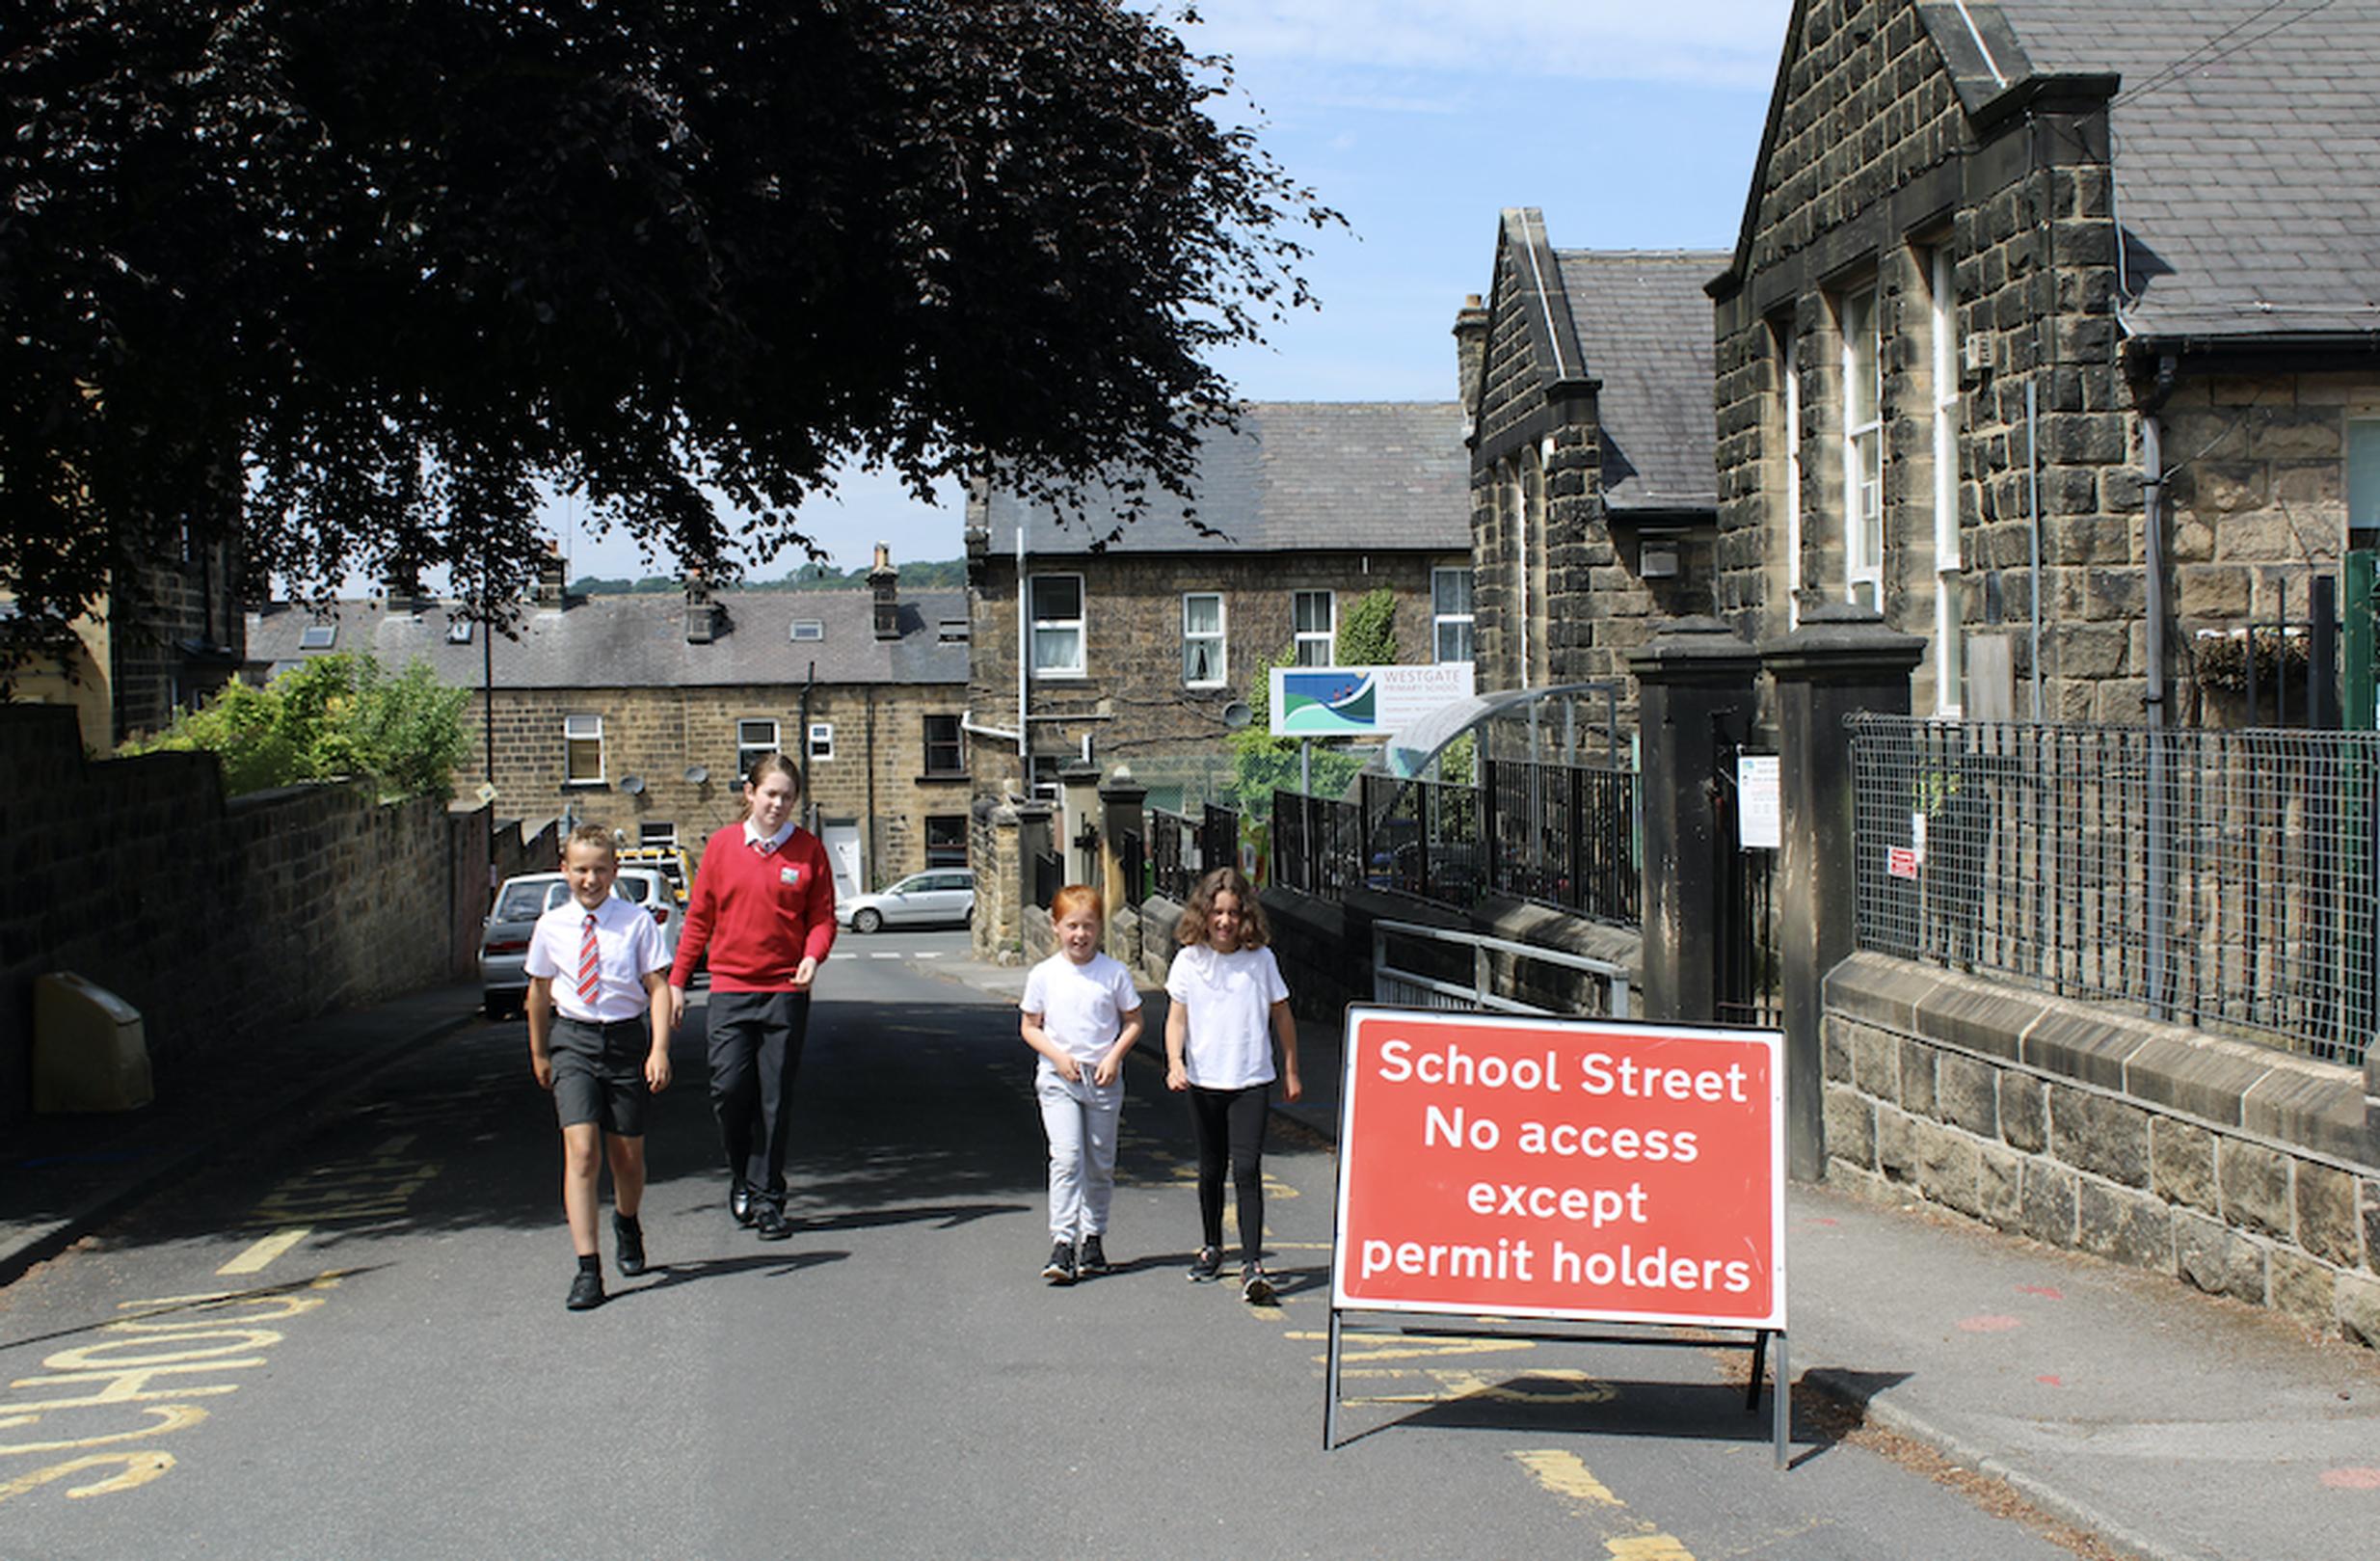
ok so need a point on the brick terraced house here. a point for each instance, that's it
(1586, 387)
(642, 711)
(2052, 332)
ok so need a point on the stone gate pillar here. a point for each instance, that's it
(1695, 696)
(1121, 800)
(1841, 661)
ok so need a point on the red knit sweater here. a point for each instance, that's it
(757, 915)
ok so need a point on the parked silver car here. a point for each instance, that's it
(504, 941)
(942, 894)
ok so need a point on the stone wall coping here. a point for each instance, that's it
(1525, 921)
(2295, 1104)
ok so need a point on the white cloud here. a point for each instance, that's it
(1718, 42)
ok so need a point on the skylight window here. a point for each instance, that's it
(318, 637)
(808, 628)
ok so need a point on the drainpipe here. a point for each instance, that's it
(810, 800)
(875, 874)
(2033, 507)
(2153, 558)
(1023, 647)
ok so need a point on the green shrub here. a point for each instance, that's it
(335, 715)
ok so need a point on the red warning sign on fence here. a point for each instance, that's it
(1512, 1166)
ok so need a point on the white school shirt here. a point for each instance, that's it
(1230, 998)
(627, 948)
(764, 844)
(1081, 1006)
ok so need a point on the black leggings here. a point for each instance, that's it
(1231, 1121)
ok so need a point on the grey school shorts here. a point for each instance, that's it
(599, 1073)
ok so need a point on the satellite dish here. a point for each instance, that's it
(1237, 715)
(697, 775)
(633, 783)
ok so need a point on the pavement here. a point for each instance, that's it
(2170, 1424)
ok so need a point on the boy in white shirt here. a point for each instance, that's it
(1082, 1013)
(599, 960)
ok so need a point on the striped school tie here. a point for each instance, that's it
(590, 979)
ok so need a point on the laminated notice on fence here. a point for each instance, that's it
(1511, 1165)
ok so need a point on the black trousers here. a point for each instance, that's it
(1231, 1123)
(756, 1049)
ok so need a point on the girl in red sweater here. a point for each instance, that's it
(763, 909)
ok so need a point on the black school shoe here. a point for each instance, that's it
(1092, 1257)
(739, 1205)
(1059, 1269)
(770, 1223)
(1207, 1265)
(586, 1291)
(629, 1240)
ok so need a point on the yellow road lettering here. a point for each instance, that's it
(1647, 1547)
(132, 1469)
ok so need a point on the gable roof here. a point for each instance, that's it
(1298, 477)
(639, 640)
(1644, 325)
(2245, 149)
(2246, 154)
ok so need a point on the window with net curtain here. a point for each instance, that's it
(1056, 606)
(1202, 639)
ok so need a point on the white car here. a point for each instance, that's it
(504, 943)
(943, 893)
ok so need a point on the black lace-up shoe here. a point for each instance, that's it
(586, 1291)
(1093, 1257)
(628, 1239)
(1059, 1269)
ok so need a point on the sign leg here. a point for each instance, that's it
(1780, 1398)
(1759, 1360)
(1330, 1381)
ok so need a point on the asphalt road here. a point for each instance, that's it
(353, 1344)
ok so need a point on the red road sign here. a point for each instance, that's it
(1508, 1166)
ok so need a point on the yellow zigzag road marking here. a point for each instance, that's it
(1566, 1475)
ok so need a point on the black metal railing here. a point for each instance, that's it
(1562, 835)
(1049, 876)
(1316, 844)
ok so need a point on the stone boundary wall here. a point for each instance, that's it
(2239, 1169)
(215, 918)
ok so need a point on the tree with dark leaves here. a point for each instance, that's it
(348, 279)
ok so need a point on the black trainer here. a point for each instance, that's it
(769, 1224)
(1059, 1269)
(1256, 1286)
(739, 1205)
(1207, 1265)
(586, 1291)
(628, 1239)
(1093, 1257)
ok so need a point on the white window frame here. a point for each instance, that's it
(749, 752)
(656, 832)
(1949, 610)
(1441, 621)
(1052, 631)
(1194, 637)
(1325, 639)
(1792, 371)
(581, 728)
(822, 741)
(1861, 327)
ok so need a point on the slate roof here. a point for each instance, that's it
(1299, 477)
(2247, 155)
(1644, 325)
(639, 641)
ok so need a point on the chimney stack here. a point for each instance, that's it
(552, 578)
(885, 580)
(1470, 351)
(702, 612)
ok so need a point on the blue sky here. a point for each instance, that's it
(1632, 125)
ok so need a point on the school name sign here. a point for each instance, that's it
(1362, 701)
(1549, 1167)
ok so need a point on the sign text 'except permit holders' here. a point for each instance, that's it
(1579, 1171)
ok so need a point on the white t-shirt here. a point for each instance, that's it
(1081, 1006)
(1230, 998)
(627, 948)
